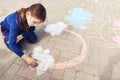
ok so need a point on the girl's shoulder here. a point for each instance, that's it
(12, 16)
(12, 19)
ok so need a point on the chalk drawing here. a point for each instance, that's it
(44, 59)
(77, 59)
(116, 38)
(78, 18)
(55, 29)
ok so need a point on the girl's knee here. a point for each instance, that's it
(32, 39)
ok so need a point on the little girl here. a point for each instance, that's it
(21, 24)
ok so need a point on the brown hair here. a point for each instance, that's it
(37, 10)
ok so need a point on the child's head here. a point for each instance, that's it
(32, 16)
(35, 14)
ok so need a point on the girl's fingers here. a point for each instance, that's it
(34, 63)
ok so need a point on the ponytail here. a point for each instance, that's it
(22, 18)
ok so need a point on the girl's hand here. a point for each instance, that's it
(20, 37)
(29, 60)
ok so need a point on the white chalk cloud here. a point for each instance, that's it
(44, 59)
(55, 29)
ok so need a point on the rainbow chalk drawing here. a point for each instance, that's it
(78, 18)
(75, 60)
(83, 48)
(45, 60)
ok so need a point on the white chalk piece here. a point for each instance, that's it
(44, 59)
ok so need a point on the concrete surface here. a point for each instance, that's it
(103, 59)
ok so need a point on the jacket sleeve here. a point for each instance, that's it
(12, 40)
(25, 34)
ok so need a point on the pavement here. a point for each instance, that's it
(102, 61)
